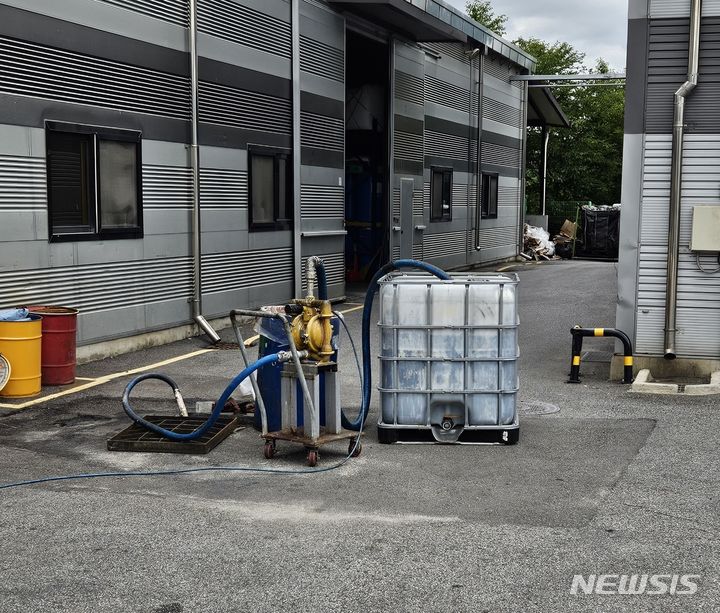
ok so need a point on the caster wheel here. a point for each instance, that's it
(352, 450)
(269, 450)
(312, 458)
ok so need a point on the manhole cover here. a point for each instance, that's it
(538, 408)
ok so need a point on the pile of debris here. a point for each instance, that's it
(537, 244)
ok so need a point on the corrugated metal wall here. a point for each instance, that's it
(322, 84)
(664, 38)
(124, 64)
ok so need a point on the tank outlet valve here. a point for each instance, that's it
(447, 424)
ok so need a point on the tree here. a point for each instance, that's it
(558, 58)
(483, 12)
(584, 161)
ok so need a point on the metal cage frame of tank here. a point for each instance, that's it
(502, 392)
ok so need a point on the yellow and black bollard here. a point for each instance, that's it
(579, 334)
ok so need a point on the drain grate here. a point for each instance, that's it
(222, 346)
(138, 439)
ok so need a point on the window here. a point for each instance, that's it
(489, 196)
(94, 182)
(271, 189)
(441, 194)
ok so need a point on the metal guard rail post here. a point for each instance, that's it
(579, 334)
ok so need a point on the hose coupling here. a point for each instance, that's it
(182, 409)
(287, 356)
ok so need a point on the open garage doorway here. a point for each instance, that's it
(366, 155)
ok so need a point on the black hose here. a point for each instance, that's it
(356, 424)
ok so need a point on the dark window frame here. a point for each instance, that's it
(446, 214)
(94, 230)
(277, 154)
(486, 211)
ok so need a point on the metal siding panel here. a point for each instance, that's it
(166, 187)
(223, 189)
(100, 287)
(667, 70)
(223, 272)
(322, 132)
(23, 184)
(244, 26)
(173, 11)
(447, 94)
(322, 202)
(698, 293)
(449, 146)
(45, 72)
(321, 59)
(444, 244)
(681, 8)
(237, 108)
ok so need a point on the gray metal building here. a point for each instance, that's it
(659, 46)
(97, 184)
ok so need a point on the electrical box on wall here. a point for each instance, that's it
(705, 229)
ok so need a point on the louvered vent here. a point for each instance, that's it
(322, 202)
(223, 189)
(446, 94)
(502, 113)
(322, 132)
(508, 196)
(500, 155)
(456, 51)
(448, 146)
(444, 244)
(167, 187)
(408, 146)
(22, 183)
(224, 272)
(44, 72)
(322, 60)
(493, 238)
(245, 26)
(409, 88)
(100, 287)
(174, 11)
(237, 108)
(497, 68)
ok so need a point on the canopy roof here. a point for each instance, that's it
(434, 20)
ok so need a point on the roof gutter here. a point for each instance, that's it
(676, 180)
(195, 164)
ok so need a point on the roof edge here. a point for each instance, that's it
(478, 32)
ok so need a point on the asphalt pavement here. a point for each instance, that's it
(603, 482)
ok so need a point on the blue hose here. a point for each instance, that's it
(356, 424)
(219, 405)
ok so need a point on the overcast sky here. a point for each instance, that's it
(595, 27)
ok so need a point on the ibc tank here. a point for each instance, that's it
(449, 352)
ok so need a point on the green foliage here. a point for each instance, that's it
(483, 12)
(584, 161)
(558, 58)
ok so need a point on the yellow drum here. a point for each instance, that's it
(20, 343)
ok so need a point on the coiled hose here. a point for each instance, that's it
(356, 424)
(219, 405)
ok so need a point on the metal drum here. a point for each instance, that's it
(449, 352)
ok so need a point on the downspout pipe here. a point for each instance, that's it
(676, 180)
(195, 165)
